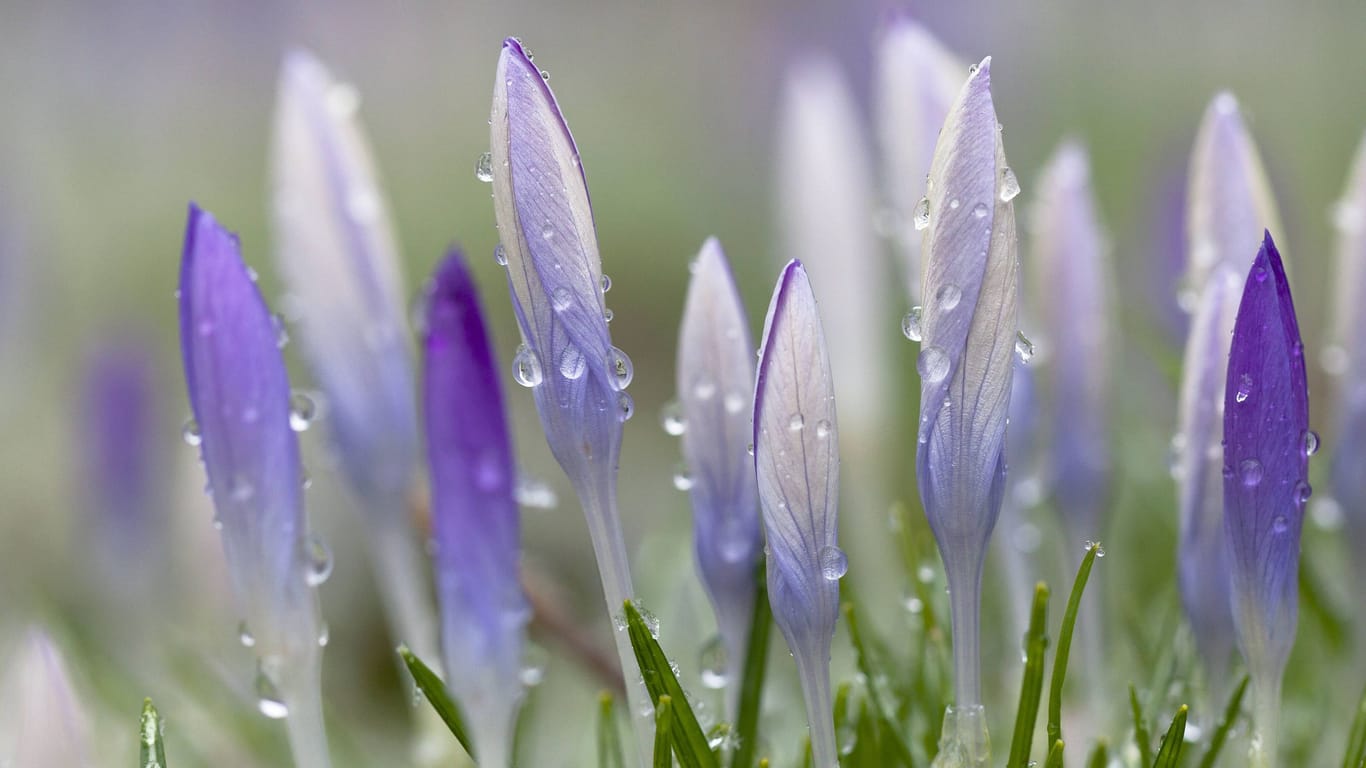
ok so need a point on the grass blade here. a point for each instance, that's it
(1170, 752)
(1216, 742)
(1141, 736)
(1054, 755)
(1100, 756)
(752, 683)
(1031, 686)
(901, 751)
(609, 738)
(1069, 622)
(434, 691)
(153, 746)
(689, 740)
(1356, 742)
(664, 718)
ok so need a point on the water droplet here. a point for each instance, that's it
(483, 168)
(626, 407)
(1279, 524)
(925, 573)
(619, 368)
(1250, 470)
(242, 489)
(245, 636)
(712, 661)
(749, 449)
(980, 210)
(535, 494)
(682, 478)
(735, 402)
(302, 411)
(933, 364)
(277, 321)
(545, 74)
(561, 299)
(1100, 551)
(548, 232)
(795, 422)
(1303, 491)
(608, 314)
(268, 699)
(572, 363)
(190, 433)
(1024, 348)
(948, 296)
(526, 367)
(500, 255)
(1010, 186)
(1259, 273)
(1244, 388)
(922, 214)
(823, 429)
(671, 418)
(834, 563)
(318, 560)
(324, 635)
(1311, 442)
(606, 283)
(911, 324)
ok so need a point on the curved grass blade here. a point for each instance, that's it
(689, 740)
(1216, 742)
(434, 691)
(1100, 756)
(1031, 686)
(152, 738)
(609, 738)
(752, 682)
(1356, 742)
(1069, 622)
(664, 719)
(1169, 754)
(1054, 755)
(901, 752)
(1141, 735)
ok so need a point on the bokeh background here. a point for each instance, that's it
(114, 115)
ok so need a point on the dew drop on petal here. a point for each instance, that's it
(948, 296)
(1244, 388)
(1024, 348)
(1250, 470)
(500, 255)
(1311, 442)
(933, 364)
(606, 283)
(683, 480)
(1010, 186)
(922, 214)
(318, 560)
(572, 363)
(671, 418)
(795, 422)
(1302, 492)
(620, 369)
(302, 411)
(980, 210)
(626, 407)
(1279, 524)
(190, 433)
(822, 429)
(561, 299)
(526, 367)
(912, 324)
(834, 563)
(483, 168)
(268, 699)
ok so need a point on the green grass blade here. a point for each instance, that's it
(689, 740)
(752, 682)
(1141, 736)
(434, 690)
(1170, 752)
(1216, 742)
(1356, 742)
(1054, 755)
(1031, 686)
(901, 752)
(1069, 622)
(153, 745)
(664, 719)
(610, 754)
(1100, 756)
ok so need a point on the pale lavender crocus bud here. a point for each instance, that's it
(336, 250)
(1074, 297)
(969, 320)
(916, 80)
(1018, 537)
(1266, 467)
(45, 723)
(715, 382)
(577, 378)
(1345, 358)
(240, 396)
(796, 457)
(474, 513)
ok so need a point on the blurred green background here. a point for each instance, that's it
(113, 116)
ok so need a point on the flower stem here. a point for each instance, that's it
(965, 608)
(813, 669)
(1266, 716)
(303, 697)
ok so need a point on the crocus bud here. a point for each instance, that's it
(915, 82)
(474, 513)
(45, 723)
(796, 456)
(576, 376)
(966, 359)
(239, 394)
(1345, 357)
(335, 249)
(1229, 197)
(1073, 296)
(1266, 465)
(715, 381)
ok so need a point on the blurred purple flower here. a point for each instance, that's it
(796, 456)
(1018, 536)
(45, 723)
(335, 248)
(1266, 464)
(1074, 297)
(239, 393)
(1167, 219)
(576, 376)
(969, 327)
(474, 513)
(715, 383)
(915, 82)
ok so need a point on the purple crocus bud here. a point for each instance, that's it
(969, 327)
(796, 456)
(1266, 466)
(1229, 197)
(715, 379)
(335, 249)
(1074, 299)
(915, 82)
(45, 723)
(239, 394)
(576, 376)
(1345, 358)
(474, 513)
